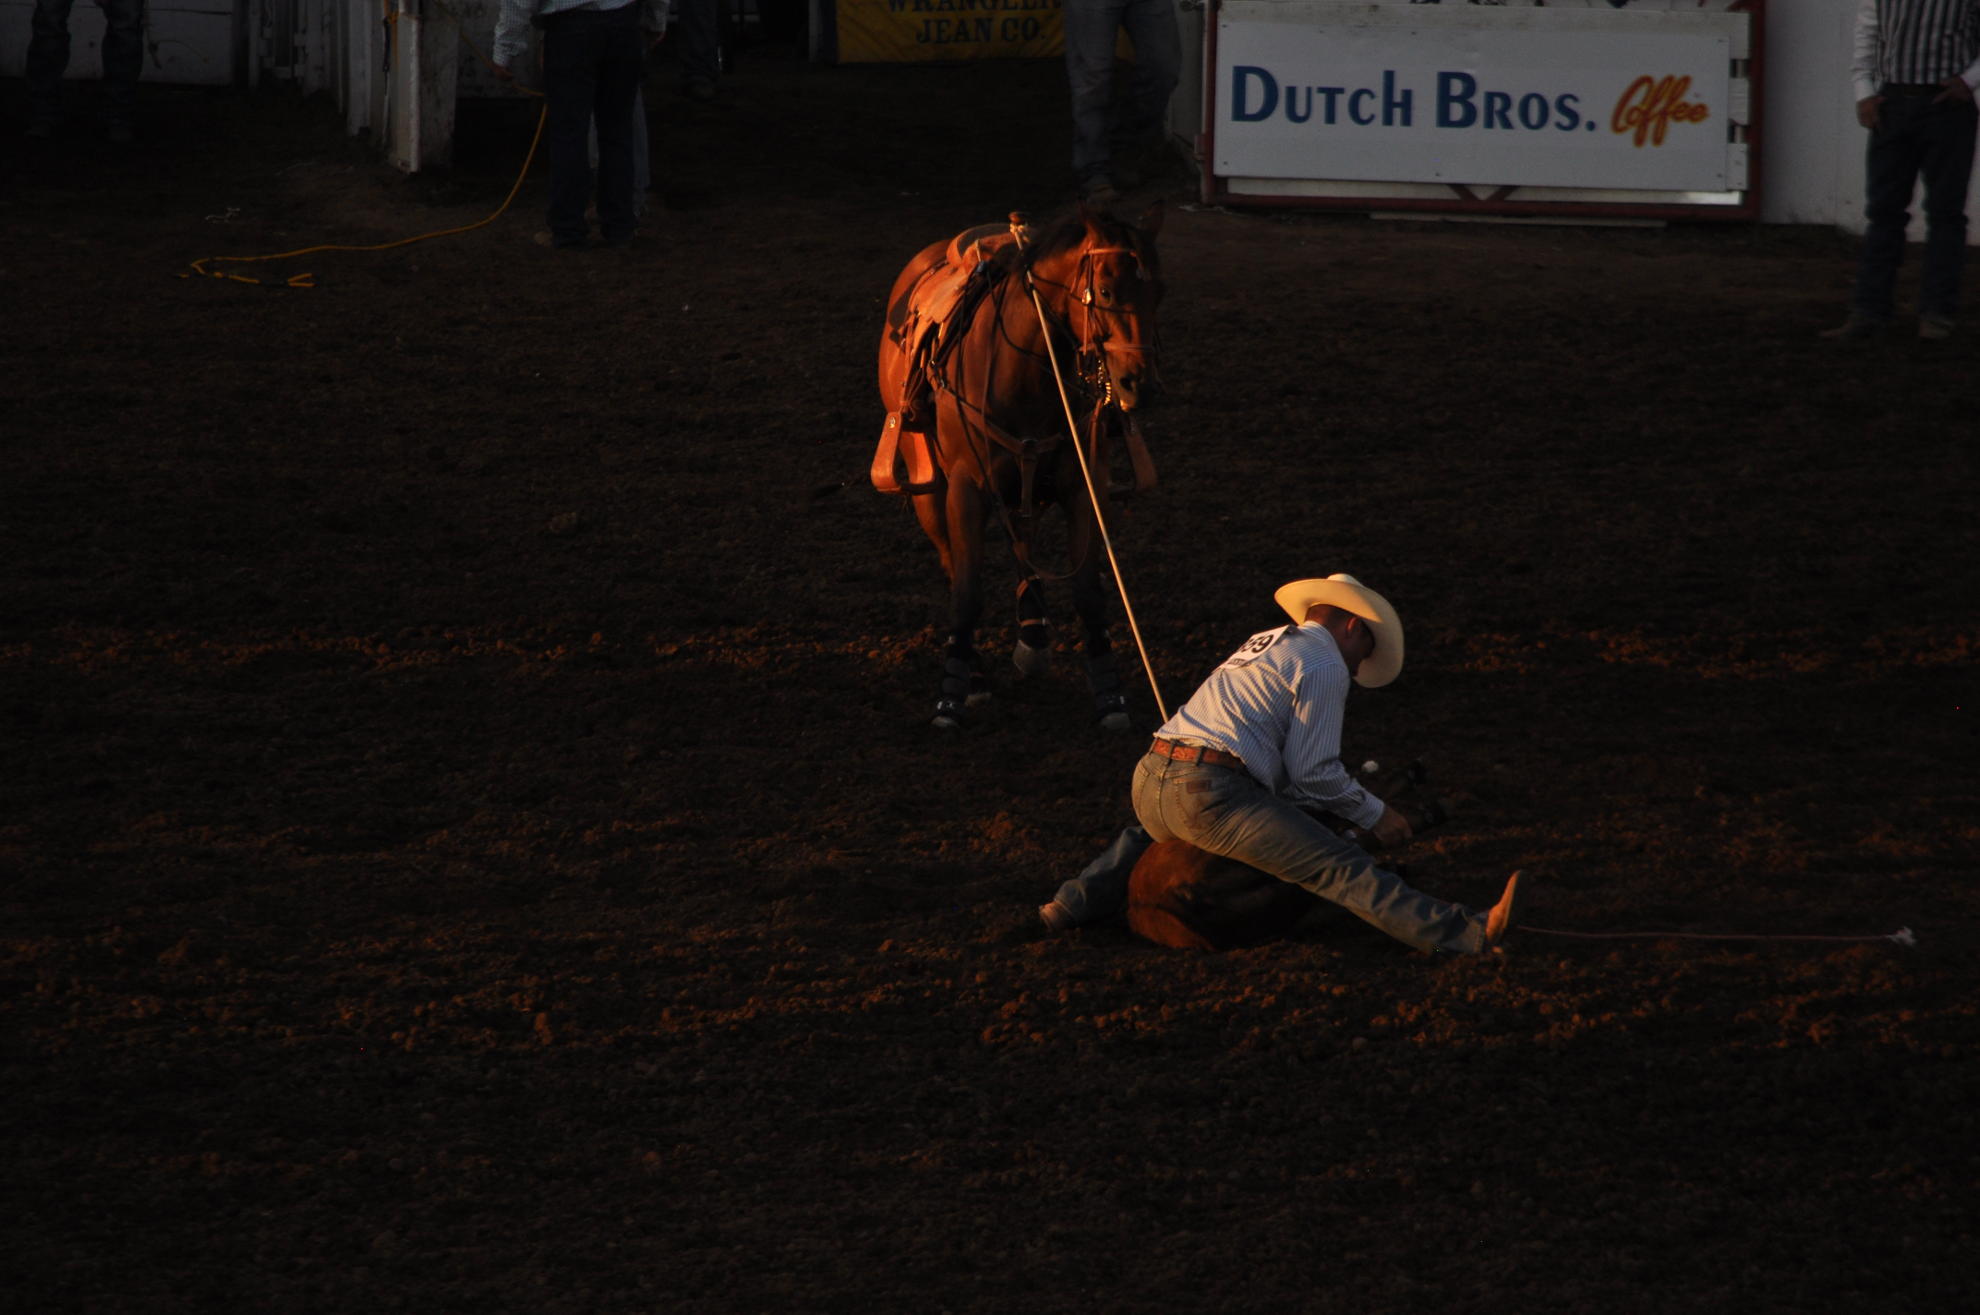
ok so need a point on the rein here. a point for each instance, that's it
(1086, 298)
(979, 427)
(1085, 469)
(1093, 332)
(1091, 354)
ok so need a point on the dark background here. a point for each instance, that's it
(471, 836)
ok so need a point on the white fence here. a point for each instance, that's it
(396, 67)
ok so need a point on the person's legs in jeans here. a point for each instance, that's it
(1947, 130)
(1101, 888)
(47, 60)
(123, 59)
(1226, 812)
(570, 88)
(1891, 168)
(1151, 26)
(700, 33)
(1090, 27)
(620, 63)
(642, 154)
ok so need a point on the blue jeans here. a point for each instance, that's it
(1101, 889)
(48, 53)
(642, 153)
(1090, 28)
(698, 28)
(1224, 811)
(592, 64)
(1915, 138)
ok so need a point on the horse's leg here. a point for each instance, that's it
(1089, 591)
(928, 509)
(961, 682)
(1034, 641)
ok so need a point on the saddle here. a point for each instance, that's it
(935, 300)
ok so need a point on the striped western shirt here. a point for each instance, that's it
(1278, 703)
(1915, 41)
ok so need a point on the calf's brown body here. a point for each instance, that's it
(1186, 897)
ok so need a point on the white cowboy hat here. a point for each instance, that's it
(1351, 595)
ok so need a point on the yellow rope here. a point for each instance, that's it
(309, 280)
(1086, 472)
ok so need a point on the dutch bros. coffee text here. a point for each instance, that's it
(1651, 105)
(1647, 109)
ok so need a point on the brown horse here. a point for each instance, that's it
(977, 426)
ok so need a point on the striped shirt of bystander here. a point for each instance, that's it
(1915, 42)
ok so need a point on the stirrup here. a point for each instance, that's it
(902, 445)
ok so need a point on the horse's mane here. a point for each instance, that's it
(1069, 230)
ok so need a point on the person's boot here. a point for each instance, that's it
(1504, 915)
(1857, 328)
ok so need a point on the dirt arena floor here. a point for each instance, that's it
(472, 838)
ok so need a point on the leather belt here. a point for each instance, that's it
(1195, 753)
(1911, 88)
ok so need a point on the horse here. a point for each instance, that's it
(982, 332)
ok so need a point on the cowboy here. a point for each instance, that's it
(594, 54)
(1233, 771)
(1916, 64)
(123, 61)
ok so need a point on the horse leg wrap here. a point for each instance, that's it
(1031, 604)
(961, 686)
(1103, 678)
(1034, 642)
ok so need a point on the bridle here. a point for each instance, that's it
(1102, 330)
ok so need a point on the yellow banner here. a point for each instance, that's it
(892, 31)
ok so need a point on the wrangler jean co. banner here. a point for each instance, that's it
(889, 31)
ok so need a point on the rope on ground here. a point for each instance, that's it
(1902, 936)
(199, 267)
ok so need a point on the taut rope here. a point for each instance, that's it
(1086, 471)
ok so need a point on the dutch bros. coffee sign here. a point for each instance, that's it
(1538, 98)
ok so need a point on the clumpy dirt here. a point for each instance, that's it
(472, 837)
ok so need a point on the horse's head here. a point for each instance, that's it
(1108, 281)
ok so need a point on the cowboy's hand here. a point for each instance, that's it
(1391, 829)
(503, 72)
(1955, 89)
(1866, 110)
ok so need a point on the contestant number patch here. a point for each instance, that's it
(1249, 651)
